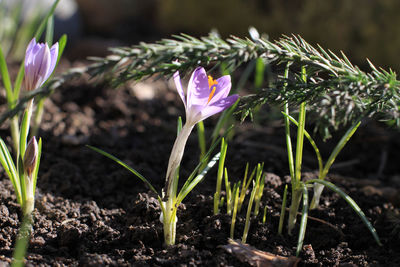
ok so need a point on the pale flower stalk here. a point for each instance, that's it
(205, 97)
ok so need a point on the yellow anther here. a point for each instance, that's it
(212, 85)
(211, 94)
(211, 81)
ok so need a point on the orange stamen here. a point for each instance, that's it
(211, 85)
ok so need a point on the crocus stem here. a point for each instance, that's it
(175, 160)
(169, 216)
(169, 223)
(29, 203)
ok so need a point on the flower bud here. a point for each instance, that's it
(40, 61)
(31, 155)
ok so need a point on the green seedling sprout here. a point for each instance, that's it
(205, 97)
(265, 214)
(283, 211)
(228, 189)
(245, 185)
(220, 173)
(235, 208)
(260, 182)
(249, 208)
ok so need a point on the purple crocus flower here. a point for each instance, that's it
(205, 96)
(40, 61)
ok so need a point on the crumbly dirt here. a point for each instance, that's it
(92, 212)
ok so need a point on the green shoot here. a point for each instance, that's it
(296, 180)
(303, 222)
(260, 182)
(249, 207)
(235, 208)
(352, 204)
(265, 214)
(245, 185)
(283, 211)
(221, 164)
(229, 200)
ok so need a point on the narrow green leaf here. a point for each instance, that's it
(141, 177)
(6, 80)
(205, 158)
(249, 208)
(36, 170)
(9, 167)
(43, 24)
(186, 190)
(311, 140)
(50, 31)
(201, 139)
(343, 141)
(283, 210)
(24, 130)
(352, 204)
(303, 221)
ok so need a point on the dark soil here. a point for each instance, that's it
(92, 212)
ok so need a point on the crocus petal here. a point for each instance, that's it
(42, 65)
(218, 106)
(222, 89)
(198, 90)
(178, 84)
(31, 45)
(53, 60)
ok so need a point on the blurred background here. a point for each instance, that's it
(360, 28)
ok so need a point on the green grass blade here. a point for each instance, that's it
(24, 132)
(300, 139)
(186, 190)
(43, 24)
(6, 80)
(343, 141)
(50, 30)
(204, 160)
(201, 139)
(141, 177)
(221, 164)
(289, 146)
(303, 221)
(9, 167)
(249, 208)
(352, 204)
(311, 140)
(36, 170)
(283, 211)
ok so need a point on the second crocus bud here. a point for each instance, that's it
(31, 156)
